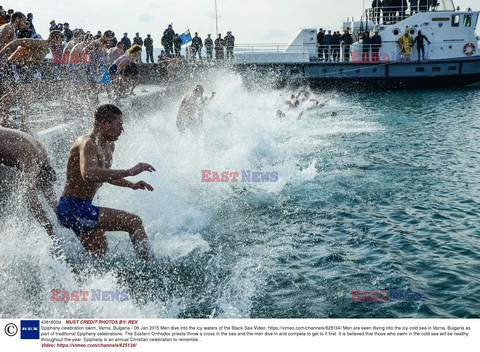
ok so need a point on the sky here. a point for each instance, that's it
(251, 21)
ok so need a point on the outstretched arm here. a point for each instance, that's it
(33, 203)
(26, 43)
(133, 185)
(93, 173)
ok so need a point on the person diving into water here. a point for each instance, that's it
(302, 99)
(190, 113)
(88, 167)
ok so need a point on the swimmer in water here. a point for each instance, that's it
(88, 167)
(190, 113)
(24, 152)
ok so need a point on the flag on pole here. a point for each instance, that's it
(186, 37)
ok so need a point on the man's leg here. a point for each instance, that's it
(95, 243)
(117, 220)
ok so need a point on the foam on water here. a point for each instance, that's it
(191, 224)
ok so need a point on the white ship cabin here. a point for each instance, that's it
(451, 32)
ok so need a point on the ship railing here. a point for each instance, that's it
(358, 53)
(266, 47)
(393, 14)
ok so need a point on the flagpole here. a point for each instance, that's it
(216, 18)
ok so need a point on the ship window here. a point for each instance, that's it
(452, 68)
(435, 69)
(419, 69)
(455, 20)
(396, 31)
(467, 20)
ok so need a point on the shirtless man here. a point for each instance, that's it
(115, 52)
(192, 104)
(126, 66)
(7, 31)
(22, 151)
(97, 52)
(98, 49)
(24, 53)
(88, 167)
(76, 39)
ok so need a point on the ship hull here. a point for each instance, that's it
(366, 76)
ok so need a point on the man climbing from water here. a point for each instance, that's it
(88, 167)
(22, 151)
(190, 113)
(419, 39)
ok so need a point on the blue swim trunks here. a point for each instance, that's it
(81, 216)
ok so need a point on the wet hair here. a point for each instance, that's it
(46, 177)
(134, 49)
(56, 35)
(198, 88)
(108, 33)
(88, 37)
(107, 112)
(16, 15)
(77, 33)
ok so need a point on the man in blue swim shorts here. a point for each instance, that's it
(88, 167)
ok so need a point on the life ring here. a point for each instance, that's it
(469, 49)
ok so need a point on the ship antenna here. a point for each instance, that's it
(216, 17)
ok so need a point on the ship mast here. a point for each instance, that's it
(216, 19)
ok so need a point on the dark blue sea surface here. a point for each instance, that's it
(393, 209)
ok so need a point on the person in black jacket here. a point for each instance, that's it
(336, 46)
(197, 46)
(229, 44)
(376, 42)
(149, 48)
(366, 44)
(126, 42)
(67, 32)
(328, 40)
(177, 44)
(320, 43)
(167, 40)
(209, 47)
(31, 27)
(420, 46)
(347, 41)
(139, 41)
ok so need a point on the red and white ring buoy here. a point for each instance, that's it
(469, 49)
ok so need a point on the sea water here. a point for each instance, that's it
(383, 195)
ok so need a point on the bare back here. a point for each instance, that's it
(20, 150)
(85, 147)
(7, 34)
